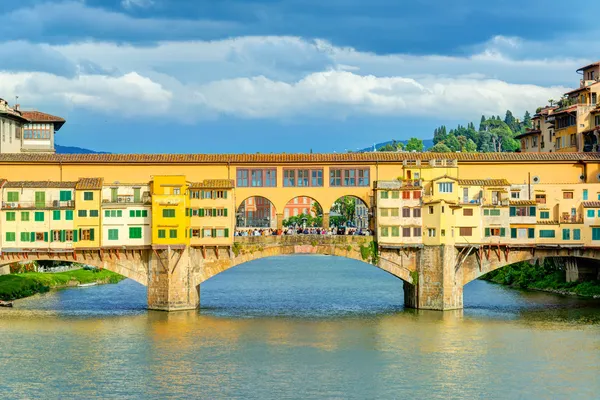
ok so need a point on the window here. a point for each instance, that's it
(87, 234)
(567, 195)
(417, 212)
(597, 120)
(501, 232)
(546, 214)
(13, 196)
(11, 236)
(207, 232)
(56, 215)
(242, 178)
(172, 233)
(168, 213)
(384, 231)
(303, 177)
(316, 177)
(40, 236)
(25, 237)
(351, 177)
(93, 213)
(431, 232)
(405, 195)
(39, 216)
(82, 213)
(522, 211)
(416, 194)
(66, 195)
(289, 177)
(465, 231)
(566, 234)
(591, 213)
(24, 215)
(405, 212)
(135, 232)
(383, 195)
(256, 177)
(395, 194)
(88, 195)
(177, 190)
(417, 232)
(585, 194)
(445, 187)
(468, 212)
(576, 234)
(548, 233)
(430, 209)
(494, 212)
(69, 215)
(515, 195)
(406, 232)
(540, 198)
(11, 216)
(395, 231)
(113, 234)
(161, 234)
(384, 212)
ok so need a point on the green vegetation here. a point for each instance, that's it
(370, 252)
(412, 144)
(547, 276)
(17, 286)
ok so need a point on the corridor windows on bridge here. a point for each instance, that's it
(252, 177)
(349, 177)
(302, 212)
(351, 214)
(303, 177)
(256, 212)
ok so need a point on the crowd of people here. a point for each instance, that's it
(301, 231)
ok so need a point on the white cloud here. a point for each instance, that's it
(129, 4)
(287, 77)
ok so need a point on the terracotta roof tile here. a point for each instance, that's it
(527, 133)
(591, 204)
(38, 116)
(280, 158)
(213, 184)
(39, 184)
(523, 203)
(483, 182)
(89, 183)
(546, 222)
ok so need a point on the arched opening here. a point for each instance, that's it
(256, 212)
(350, 215)
(302, 212)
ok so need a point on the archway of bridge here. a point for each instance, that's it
(256, 212)
(303, 211)
(126, 269)
(349, 212)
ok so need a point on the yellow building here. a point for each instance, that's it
(170, 223)
(88, 197)
(211, 212)
(126, 215)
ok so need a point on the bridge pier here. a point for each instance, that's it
(571, 269)
(171, 284)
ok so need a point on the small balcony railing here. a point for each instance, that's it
(38, 204)
(571, 219)
(127, 199)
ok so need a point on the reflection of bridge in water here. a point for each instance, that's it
(434, 276)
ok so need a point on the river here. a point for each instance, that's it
(302, 327)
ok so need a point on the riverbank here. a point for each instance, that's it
(547, 278)
(18, 286)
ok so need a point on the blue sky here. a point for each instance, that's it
(284, 76)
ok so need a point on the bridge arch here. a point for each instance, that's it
(256, 212)
(303, 204)
(350, 210)
(133, 266)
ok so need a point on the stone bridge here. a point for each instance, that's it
(434, 276)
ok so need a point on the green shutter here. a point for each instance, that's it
(513, 233)
(187, 212)
(502, 232)
(75, 235)
(487, 232)
(225, 212)
(32, 237)
(131, 213)
(144, 213)
(202, 194)
(576, 234)
(213, 232)
(532, 211)
(202, 212)
(513, 211)
(226, 230)
(531, 233)
(69, 215)
(225, 194)
(92, 234)
(63, 235)
(201, 232)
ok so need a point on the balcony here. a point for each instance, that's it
(567, 218)
(126, 199)
(31, 205)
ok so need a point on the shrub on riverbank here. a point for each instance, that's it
(547, 276)
(17, 286)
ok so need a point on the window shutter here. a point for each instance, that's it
(513, 233)
(187, 212)
(487, 232)
(502, 232)
(226, 232)
(513, 211)
(532, 211)
(213, 232)
(190, 233)
(202, 212)
(32, 237)
(225, 212)
(202, 194)
(75, 235)
(63, 235)
(201, 232)
(51, 236)
(80, 234)
(531, 233)
(45, 236)
(131, 213)
(225, 194)
(92, 234)
(214, 212)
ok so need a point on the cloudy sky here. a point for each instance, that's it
(284, 76)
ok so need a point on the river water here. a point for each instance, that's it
(301, 327)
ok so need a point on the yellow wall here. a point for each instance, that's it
(91, 223)
(165, 197)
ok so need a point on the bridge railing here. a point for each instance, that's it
(292, 240)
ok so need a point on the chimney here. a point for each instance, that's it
(17, 107)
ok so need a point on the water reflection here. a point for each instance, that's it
(300, 327)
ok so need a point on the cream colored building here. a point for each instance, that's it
(126, 215)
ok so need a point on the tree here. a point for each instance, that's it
(394, 146)
(346, 207)
(470, 146)
(439, 134)
(482, 122)
(414, 144)
(452, 143)
(440, 148)
(527, 120)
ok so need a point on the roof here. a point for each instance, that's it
(483, 182)
(89, 183)
(39, 184)
(38, 116)
(531, 132)
(213, 184)
(580, 89)
(16, 115)
(523, 203)
(588, 66)
(590, 204)
(566, 110)
(299, 158)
